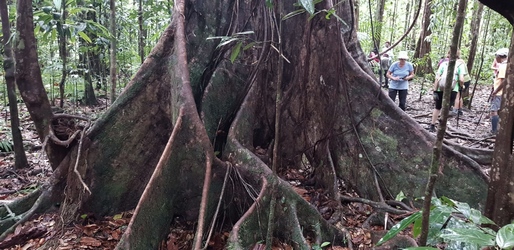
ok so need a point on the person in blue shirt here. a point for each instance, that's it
(399, 74)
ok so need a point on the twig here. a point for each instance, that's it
(78, 158)
(211, 229)
(377, 205)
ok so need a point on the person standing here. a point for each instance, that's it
(438, 89)
(399, 74)
(385, 63)
(386, 49)
(499, 83)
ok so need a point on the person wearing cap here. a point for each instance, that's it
(499, 83)
(399, 74)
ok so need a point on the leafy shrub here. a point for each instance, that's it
(456, 224)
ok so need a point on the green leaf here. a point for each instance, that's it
(308, 5)
(505, 237)
(117, 216)
(57, 4)
(399, 227)
(400, 196)
(292, 14)
(324, 244)
(249, 46)
(83, 216)
(235, 52)
(269, 3)
(84, 36)
(469, 235)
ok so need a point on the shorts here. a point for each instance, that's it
(496, 103)
(439, 102)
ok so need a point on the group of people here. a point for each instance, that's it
(460, 82)
(399, 74)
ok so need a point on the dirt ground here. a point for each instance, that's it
(470, 129)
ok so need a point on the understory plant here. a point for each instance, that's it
(456, 225)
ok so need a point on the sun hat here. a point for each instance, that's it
(502, 52)
(403, 55)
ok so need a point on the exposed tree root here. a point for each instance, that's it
(42, 202)
(300, 223)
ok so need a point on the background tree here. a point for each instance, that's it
(423, 48)
(435, 165)
(113, 68)
(499, 206)
(20, 159)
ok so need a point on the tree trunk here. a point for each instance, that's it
(475, 32)
(63, 54)
(142, 32)
(113, 68)
(379, 15)
(87, 60)
(188, 100)
(435, 166)
(423, 47)
(29, 81)
(20, 159)
(500, 206)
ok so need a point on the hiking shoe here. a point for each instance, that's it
(431, 128)
(459, 112)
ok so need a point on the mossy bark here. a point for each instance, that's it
(335, 116)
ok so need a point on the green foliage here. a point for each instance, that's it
(5, 145)
(456, 224)
(238, 38)
(320, 247)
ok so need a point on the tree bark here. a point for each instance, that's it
(20, 159)
(63, 54)
(113, 68)
(436, 168)
(475, 32)
(29, 81)
(336, 123)
(500, 206)
(423, 46)
(142, 32)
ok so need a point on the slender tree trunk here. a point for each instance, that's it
(379, 20)
(393, 22)
(63, 53)
(142, 32)
(29, 81)
(113, 50)
(436, 165)
(20, 159)
(423, 47)
(356, 4)
(474, 34)
(407, 20)
(87, 60)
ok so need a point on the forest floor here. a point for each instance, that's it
(470, 129)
